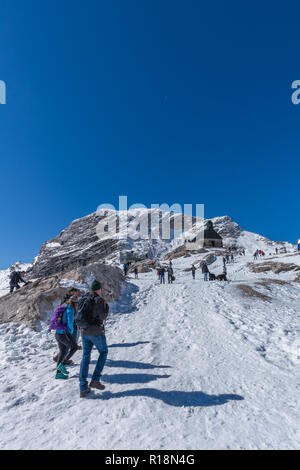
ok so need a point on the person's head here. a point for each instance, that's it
(73, 291)
(73, 301)
(23, 273)
(96, 287)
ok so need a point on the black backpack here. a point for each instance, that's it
(14, 276)
(84, 317)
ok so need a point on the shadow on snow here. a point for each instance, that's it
(126, 304)
(128, 345)
(131, 365)
(131, 378)
(173, 398)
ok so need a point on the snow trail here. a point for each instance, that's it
(186, 370)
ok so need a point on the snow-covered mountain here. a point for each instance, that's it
(84, 241)
(206, 365)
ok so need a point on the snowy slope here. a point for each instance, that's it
(192, 365)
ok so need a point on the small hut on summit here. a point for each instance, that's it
(211, 237)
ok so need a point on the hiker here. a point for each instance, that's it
(162, 275)
(16, 277)
(205, 271)
(224, 261)
(255, 254)
(232, 258)
(136, 273)
(227, 258)
(92, 313)
(170, 274)
(193, 269)
(63, 322)
(125, 268)
(72, 297)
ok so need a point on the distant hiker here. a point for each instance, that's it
(205, 271)
(255, 254)
(136, 273)
(15, 278)
(232, 258)
(92, 313)
(193, 269)
(227, 258)
(170, 274)
(63, 322)
(125, 268)
(162, 275)
(224, 261)
(276, 251)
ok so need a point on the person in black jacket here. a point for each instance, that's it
(205, 271)
(94, 335)
(15, 278)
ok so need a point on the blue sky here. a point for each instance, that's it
(162, 101)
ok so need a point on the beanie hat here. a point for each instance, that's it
(95, 285)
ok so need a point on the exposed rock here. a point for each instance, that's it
(35, 301)
(78, 245)
(272, 266)
(267, 283)
(248, 291)
(144, 266)
(31, 303)
(181, 251)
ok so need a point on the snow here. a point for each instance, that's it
(192, 365)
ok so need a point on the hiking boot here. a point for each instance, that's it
(97, 385)
(59, 375)
(83, 394)
(68, 363)
(55, 358)
(61, 368)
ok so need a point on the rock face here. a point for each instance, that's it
(78, 245)
(35, 302)
(275, 267)
(32, 302)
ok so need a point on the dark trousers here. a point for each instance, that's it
(170, 278)
(12, 286)
(67, 347)
(193, 273)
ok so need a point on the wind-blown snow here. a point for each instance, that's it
(193, 365)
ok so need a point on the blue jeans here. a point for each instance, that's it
(205, 276)
(87, 345)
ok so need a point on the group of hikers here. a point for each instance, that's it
(258, 253)
(84, 314)
(161, 270)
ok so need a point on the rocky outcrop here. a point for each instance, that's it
(144, 266)
(76, 246)
(181, 251)
(276, 268)
(35, 301)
